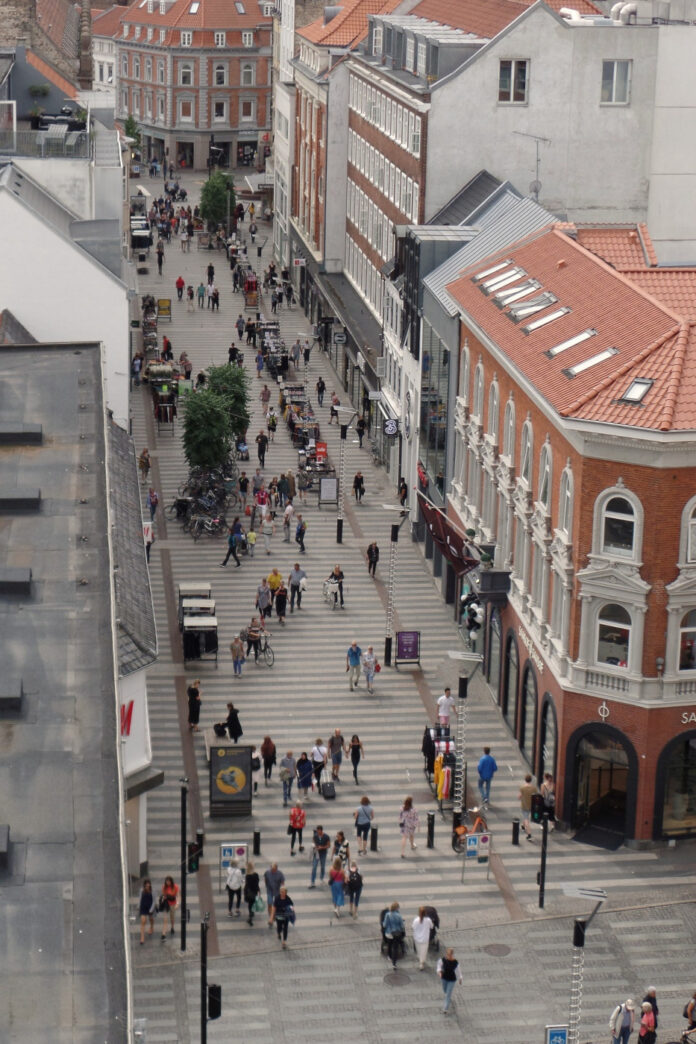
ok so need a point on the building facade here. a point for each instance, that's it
(574, 429)
(189, 72)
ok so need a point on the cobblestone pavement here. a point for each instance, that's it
(333, 975)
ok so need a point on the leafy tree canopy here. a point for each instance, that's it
(231, 383)
(207, 429)
(131, 128)
(214, 199)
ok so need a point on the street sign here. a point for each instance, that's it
(298, 262)
(582, 892)
(407, 647)
(339, 337)
(556, 1035)
(478, 847)
(230, 850)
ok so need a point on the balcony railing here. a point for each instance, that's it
(44, 144)
(595, 679)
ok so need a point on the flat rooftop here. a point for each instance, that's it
(62, 923)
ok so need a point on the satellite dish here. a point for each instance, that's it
(535, 189)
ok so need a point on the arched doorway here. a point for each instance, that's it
(548, 738)
(675, 789)
(495, 653)
(601, 780)
(511, 679)
(528, 709)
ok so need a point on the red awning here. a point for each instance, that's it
(449, 540)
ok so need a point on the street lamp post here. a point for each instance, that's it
(580, 926)
(342, 468)
(183, 862)
(204, 979)
(391, 582)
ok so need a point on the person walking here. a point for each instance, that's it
(152, 502)
(321, 388)
(421, 928)
(147, 908)
(336, 882)
(263, 598)
(251, 890)
(548, 793)
(408, 825)
(322, 843)
(190, 295)
(240, 324)
(403, 491)
(305, 775)
(286, 774)
(646, 1033)
(193, 694)
(300, 530)
(337, 746)
(354, 884)
(144, 464)
(369, 666)
(353, 663)
(233, 884)
(281, 603)
(267, 531)
(336, 577)
(445, 705)
(372, 556)
(527, 792)
(254, 637)
(200, 294)
(284, 493)
(259, 355)
(268, 753)
(358, 487)
(255, 768)
(232, 537)
(360, 430)
(233, 724)
(487, 768)
(261, 502)
(651, 998)
(273, 880)
(283, 913)
(355, 748)
(363, 816)
(160, 256)
(243, 484)
(297, 820)
(319, 759)
(295, 583)
(287, 517)
(333, 412)
(621, 1022)
(180, 285)
(394, 932)
(450, 974)
(169, 900)
(262, 444)
(237, 650)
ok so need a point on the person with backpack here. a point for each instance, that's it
(450, 973)
(251, 887)
(621, 1021)
(233, 884)
(363, 816)
(394, 932)
(152, 502)
(354, 884)
(690, 1012)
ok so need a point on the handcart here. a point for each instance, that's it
(200, 638)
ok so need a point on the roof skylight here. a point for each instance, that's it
(518, 312)
(570, 343)
(637, 390)
(489, 271)
(510, 275)
(193, 9)
(240, 7)
(545, 320)
(516, 293)
(594, 360)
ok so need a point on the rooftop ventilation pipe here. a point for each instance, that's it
(570, 14)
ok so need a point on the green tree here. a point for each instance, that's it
(214, 199)
(207, 429)
(131, 129)
(231, 383)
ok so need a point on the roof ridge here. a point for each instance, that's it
(670, 398)
(630, 364)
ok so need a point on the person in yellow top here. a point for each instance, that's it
(274, 581)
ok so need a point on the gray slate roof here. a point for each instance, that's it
(504, 220)
(468, 199)
(137, 634)
(12, 331)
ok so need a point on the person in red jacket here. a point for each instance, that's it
(298, 818)
(180, 284)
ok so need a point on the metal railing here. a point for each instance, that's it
(74, 144)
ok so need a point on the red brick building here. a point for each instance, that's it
(576, 457)
(189, 69)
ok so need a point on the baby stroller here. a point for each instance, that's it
(434, 943)
(242, 450)
(385, 942)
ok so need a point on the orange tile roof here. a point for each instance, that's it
(210, 15)
(108, 22)
(349, 26)
(68, 89)
(599, 299)
(60, 20)
(485, 18)
(621, 246)
(673, 287)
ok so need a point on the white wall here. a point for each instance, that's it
(60, 294)
(68, 180)
(135, 740)
(336, 170)
(672, 208)
(283, 153)
(595, 167)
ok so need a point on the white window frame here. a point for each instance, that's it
(493, 411)
(615, 63)
(604, 501)
(247, 38)
(224, 117)
(545, 477)
(477, 409)
(148, 70)
(160, 107)
(248, 67)
(136, 67)
(509, 433)
(607, 621)
(220, 39)
(124, 65)
(220, 69)
(464, 376)
(185, 67)
(515, 64)
(186, 38)
(162, 35)
(685, 630)
(186, 101)
(252, 116)
(565, 503)
(410, 57)
(377, 37)
(526, 453)
(160, 71)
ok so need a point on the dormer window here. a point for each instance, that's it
(410, 54)
(421, 59)
(377, 40)
(125, 31)
(186, 38)
(136, 33)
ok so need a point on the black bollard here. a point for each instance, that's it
(373, 839)
(515, 831)
(199, 842)
(430, 843)
(257, 842)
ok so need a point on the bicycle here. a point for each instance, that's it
(459, 832)
(376, 455)
(201, 524)
(265, 649)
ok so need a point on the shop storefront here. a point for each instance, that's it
(184, 155)
(246, 152)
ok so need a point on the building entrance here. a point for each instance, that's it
(601, 778)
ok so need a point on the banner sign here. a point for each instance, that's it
(230, 780)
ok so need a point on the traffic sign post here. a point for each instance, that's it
(478, 849)
(556, 1035)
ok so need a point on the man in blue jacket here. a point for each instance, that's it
(486, 770)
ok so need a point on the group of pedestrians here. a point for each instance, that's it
(357, 661)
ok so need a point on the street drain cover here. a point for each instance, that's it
(497, 950)
(397, 978)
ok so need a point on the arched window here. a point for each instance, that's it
(565, 503)
(478, 392)
(464, 374)
(509, 432)
(526, 449)
(495, 648)
(247, 75)
(160, 72)
(548, 739)
(613, 635)
(687, 642)
(618, 527)
(675, 788)
(493, 411)
(545, 476)
(185, 74)
(529, 713)
(687, 540)
(148, 69)
(220, 75)
(512, 671)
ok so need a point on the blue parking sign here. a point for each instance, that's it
(556, 1035)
